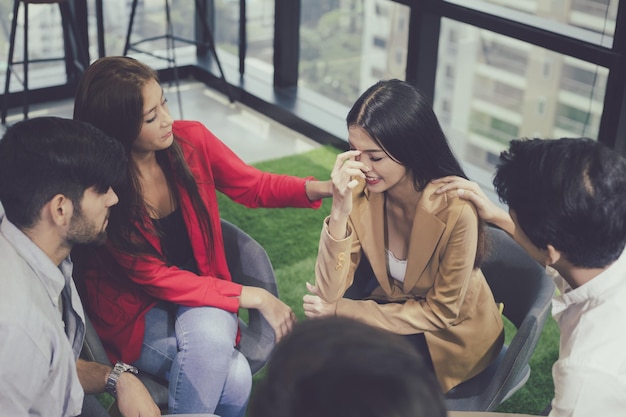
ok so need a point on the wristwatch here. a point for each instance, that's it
(114, 375)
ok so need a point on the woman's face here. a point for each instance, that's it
(385, 173)
(156, 127)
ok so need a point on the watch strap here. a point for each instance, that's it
(114, 376)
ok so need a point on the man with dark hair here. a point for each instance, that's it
(55, 185)
(567, 205)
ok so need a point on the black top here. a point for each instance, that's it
(175, 241)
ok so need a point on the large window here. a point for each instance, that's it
(346, 46)
(259, 35)
(588, 20)
(505, 89)
(45, 41)
(495, 69)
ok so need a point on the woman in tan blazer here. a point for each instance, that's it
(424, 248)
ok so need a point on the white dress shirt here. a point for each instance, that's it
(590, 373)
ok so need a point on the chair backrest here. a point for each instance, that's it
(524, 288)
(515, 278)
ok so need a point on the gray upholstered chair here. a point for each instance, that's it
(249, 265)
(526, 291)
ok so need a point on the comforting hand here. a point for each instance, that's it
(133, 398)
(469, 190)
(278, 314)
(315, 307)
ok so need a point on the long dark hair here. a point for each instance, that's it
(109, 96)
(401, 120)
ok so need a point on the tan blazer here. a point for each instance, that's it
(443, 296)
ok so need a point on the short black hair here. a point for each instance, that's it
(339, 367)
(46, 156)
(569, 193)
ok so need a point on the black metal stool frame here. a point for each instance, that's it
(75, 59)
(170, 38)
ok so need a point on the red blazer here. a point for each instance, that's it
(121, 289)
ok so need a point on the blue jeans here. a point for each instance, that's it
(193, 349)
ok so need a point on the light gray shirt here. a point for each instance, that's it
(38, 351)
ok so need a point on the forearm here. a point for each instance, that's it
(316, 190)
(252, 297)
(337, 224)
(92, 375)
(502, 219)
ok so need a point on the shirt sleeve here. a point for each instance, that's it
(336, 263)
(582, 391)
(250, 186)
(23, 367)
(179, 286)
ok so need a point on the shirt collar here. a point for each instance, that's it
(598, 286)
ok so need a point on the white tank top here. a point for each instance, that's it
(397, 267)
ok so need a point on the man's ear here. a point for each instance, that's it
(552, 255)
(59, 210)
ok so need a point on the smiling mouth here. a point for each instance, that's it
(372, 179)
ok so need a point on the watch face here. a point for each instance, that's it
(128, 368)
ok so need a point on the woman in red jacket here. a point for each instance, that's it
(159, 293)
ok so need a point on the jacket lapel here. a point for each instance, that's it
(425, 235)
(371, 232)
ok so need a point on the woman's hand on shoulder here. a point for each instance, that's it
(278, 314)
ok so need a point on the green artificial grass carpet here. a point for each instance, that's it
(290, 237)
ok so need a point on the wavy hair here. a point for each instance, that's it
(110, 97)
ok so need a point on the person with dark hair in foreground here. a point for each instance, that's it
(339, 367)
(55, 186)
(567, 208)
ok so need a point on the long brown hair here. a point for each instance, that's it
(109, 96)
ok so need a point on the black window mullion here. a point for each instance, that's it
(286, 43)
(423, 50)
(613, 121)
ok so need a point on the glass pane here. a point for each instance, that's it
(491, 89)
(588, 20)
(259, 59)
(45, 41)
(346, 46)
(149, 23)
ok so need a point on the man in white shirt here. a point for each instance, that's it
(55, 186)
(567, 208)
